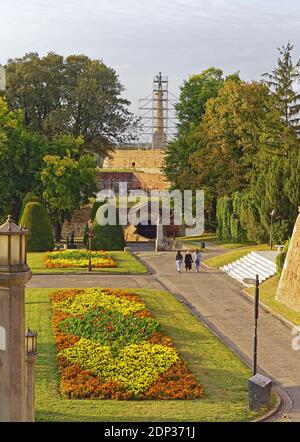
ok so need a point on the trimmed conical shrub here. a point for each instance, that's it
(108, 237)
(94, 209)
(36, 220)
(30, 197)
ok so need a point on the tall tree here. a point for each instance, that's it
(193, 96)
(195, 92)
(76, 96)
(67, 184)
(228, 138)
(282, 81)
(21, 157)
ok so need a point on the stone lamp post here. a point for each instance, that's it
(14, 273)
(30, 354)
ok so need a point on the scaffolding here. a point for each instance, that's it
(157, 115)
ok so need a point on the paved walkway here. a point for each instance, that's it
(219, 302)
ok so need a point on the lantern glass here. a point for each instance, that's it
(15, 249)
(30, 342)
(3, 250)
(23, 255)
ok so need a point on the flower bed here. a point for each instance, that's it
(110, 347)
(78, 259)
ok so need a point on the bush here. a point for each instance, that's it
(30, 197)
(94, 209)
(108, 237)
(36, 220)
(280, 259)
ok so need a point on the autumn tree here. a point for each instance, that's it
(195, 92)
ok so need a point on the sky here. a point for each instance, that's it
(138, 38)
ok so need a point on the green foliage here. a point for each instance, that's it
(282, 81)
(280, 259)
(77, 96)
(224, 213)
(35, 219)
(108, 237)
(195, 92)
(30, 197)
(244, 145)
(122, 330)
(21, 154)
(67, 184)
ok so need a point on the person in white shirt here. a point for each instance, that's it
(197, 260)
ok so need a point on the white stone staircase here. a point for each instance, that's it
(252, 264)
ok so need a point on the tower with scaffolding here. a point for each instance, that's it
(157, 115)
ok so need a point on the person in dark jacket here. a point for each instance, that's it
(188, 260)
(179, 259)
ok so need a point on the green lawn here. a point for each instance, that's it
(191, 241)
(267, 296)
(228, 257)
(126, 263)
(222, 373)
(203, 237)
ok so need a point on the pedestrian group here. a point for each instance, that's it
(188, 261)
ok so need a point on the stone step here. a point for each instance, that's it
(252, 261)
(252, 264)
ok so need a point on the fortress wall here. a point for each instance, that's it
(146, 160)
(289, 287)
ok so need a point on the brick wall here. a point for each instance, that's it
(289, 287)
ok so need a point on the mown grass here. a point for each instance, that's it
(193, 241)
(233, 255)
(268, 297)
(221, 372)
(126, 264)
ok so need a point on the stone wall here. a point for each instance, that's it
(289, 287)
(138, 180)
(147, 160)
(111, 180)
(77, 223)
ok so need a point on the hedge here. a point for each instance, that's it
(30, 197)
(108, 237)
(36, 220)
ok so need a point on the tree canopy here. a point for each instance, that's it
(74, 96)
(67, 184)
(241, 146)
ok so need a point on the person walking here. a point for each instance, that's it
(197, 259)
(188, 261)
(179, 259)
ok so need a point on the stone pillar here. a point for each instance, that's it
(159, 243)
(12, 347)
(288, 291)
(30, 390)
(159, 136)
